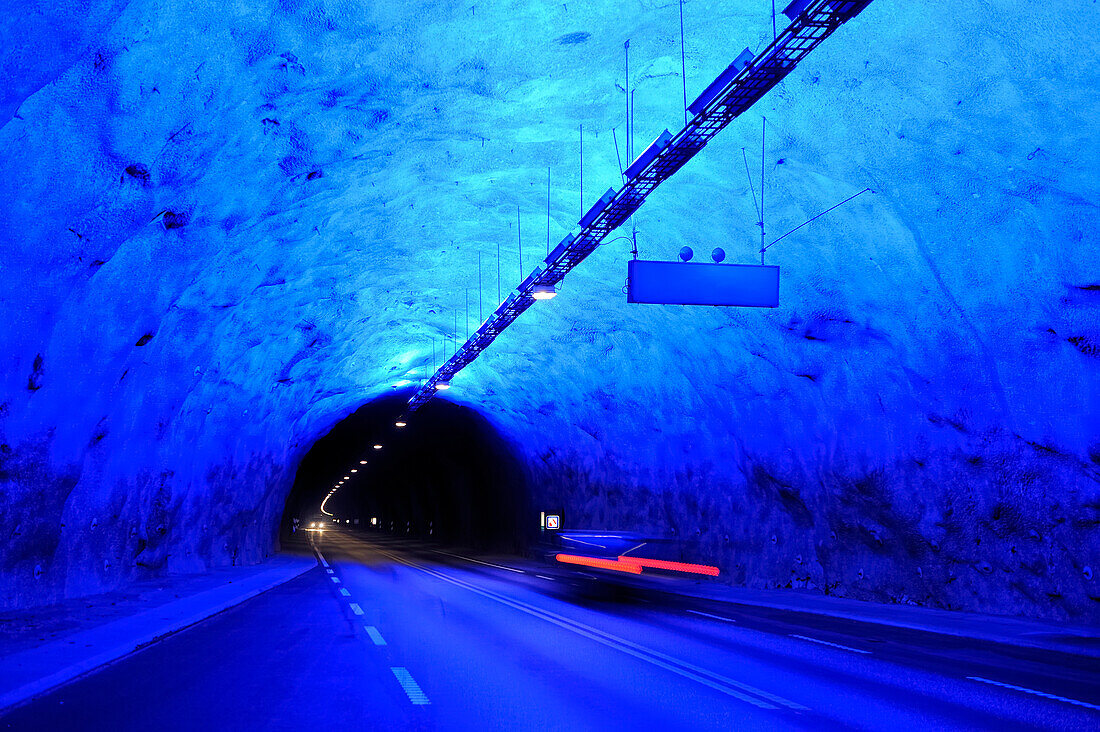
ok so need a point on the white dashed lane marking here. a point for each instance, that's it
(827, 643)
(408, 683)
(375, 635)
(1043, 694)
(711, 679)
(708, 615)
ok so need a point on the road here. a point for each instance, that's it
(386, 634)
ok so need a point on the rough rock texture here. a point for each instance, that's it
(224, 226)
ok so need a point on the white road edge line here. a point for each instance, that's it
(375, 635)
(543, 576)
(344, 592)
(478, 561)
(355, 608)
(682, 668)
(1033, 691)
(827, 643)
(708, 615)
(408, 683)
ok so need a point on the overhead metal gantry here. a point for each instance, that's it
(734, 91)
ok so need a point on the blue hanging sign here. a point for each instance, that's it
(690, 283)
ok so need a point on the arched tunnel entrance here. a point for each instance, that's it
(447, 475)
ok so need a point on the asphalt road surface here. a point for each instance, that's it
(386, 634)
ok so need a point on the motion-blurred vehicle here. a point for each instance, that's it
(620, 564)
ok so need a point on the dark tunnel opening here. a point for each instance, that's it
(447, 475)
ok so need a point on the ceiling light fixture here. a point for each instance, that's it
(400, 423)
(377, 447)
(362, 462)
(543, 292)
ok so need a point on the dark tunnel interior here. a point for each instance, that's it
(447, 476)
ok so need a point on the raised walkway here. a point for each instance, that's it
(43, 648)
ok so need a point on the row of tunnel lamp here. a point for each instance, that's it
(743, 83)
(538, 292)
(736, 89)
(622, 563)
(631, 565)
(738, 86)
(400, 423)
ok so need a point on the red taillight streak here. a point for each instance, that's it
(598, 563)
(674, 566)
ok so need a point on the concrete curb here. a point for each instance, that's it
(29, 674)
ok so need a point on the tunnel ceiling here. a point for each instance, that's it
(226, 227)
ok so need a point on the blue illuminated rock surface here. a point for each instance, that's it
(225, 227)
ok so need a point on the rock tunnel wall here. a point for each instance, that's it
(226, 226)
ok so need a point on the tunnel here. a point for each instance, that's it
(445, 474)
(851, 433)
